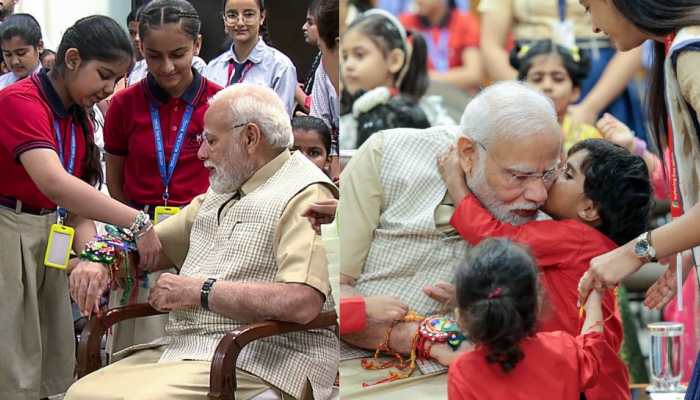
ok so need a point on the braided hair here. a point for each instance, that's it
(161, 12)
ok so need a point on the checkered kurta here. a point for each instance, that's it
(241, 248)
(408, 251)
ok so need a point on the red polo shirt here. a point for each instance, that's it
(459, 31)
(29, 108)
(128, 132)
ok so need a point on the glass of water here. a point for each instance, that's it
(665, 356)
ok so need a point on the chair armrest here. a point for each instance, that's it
(89, 346)
(222, 380)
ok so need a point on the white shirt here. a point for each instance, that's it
(10, 77)
(140, 70)
(325, 105)
(270, 68)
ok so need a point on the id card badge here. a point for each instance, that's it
(563, 33)
(162, 213)
(59, 247)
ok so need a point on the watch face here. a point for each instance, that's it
(641, 248)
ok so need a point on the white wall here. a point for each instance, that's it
(55, 16)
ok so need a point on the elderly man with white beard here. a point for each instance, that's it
(245, 253)
(394, 217)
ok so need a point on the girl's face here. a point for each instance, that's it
(311, 144)
(49, 62)
(566, 197)
(20, 57)
(242, 20)
(623, 34)
(547, 73)
(310, 30)
(168, 52)
(364, 64)
(89, 82)
(427, 7)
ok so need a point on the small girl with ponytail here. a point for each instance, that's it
(385, 79)
(498, 298)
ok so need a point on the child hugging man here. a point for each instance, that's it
(601, 199)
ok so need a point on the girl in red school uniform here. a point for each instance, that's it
(498, 298)
(49, 165)
(151, 132)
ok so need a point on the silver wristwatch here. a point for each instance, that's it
(643, 248)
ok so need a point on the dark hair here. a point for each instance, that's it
(309, 123)
(576, 62)
(328, 22)
(659, 18)
(131, 17)
(96, 38)
(264, 29)
(397, 112)
(45, 53)
(386, 35)
(617, 182)
(161, 12)
(23, 25)
(497, 295)
(361, 5)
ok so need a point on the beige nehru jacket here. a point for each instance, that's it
(298, 262)
(533, 19)
(689, 78)
(361, 203)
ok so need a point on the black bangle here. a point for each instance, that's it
(204, 294)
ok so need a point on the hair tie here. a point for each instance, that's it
(495, 293)
(575, 53)
(523, 51)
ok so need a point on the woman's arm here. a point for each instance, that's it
(495, 27)
(115, 177)
(618, 73)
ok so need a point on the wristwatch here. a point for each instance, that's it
(204, 294)
(643, 248)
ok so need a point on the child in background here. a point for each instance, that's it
(20, 38)
(452, 36)
(385, 75)
(250, 59)
(601, 200)
(558, 72)
(498, 298)
(48, 59)
(313, 138)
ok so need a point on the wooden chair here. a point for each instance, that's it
(222, 380)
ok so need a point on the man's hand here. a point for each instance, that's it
(87, 282)
(321, 213)
(175, 292)
(382, 309)
(442, 292)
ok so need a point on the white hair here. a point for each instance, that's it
(509, 109)
(259, 105)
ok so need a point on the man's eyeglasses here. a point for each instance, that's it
(515, 179)
(204, 137)
(231, 17)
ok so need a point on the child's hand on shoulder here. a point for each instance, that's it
(452, 173)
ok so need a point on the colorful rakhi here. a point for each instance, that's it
(438, 329)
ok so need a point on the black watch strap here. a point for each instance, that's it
(204, 294)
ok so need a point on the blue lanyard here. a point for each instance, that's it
(71, 162)
(165, 176)
(562, 10)
(439, 55)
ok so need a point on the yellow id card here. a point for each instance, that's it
(59, 247)
(162, 213)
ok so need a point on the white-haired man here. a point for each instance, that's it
(394, 211)
(247, 241)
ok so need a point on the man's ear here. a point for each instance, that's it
(396, 60)
(588, 212)
(252, 137)
(467, 151)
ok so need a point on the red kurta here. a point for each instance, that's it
(556, 366)
(563, 251)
